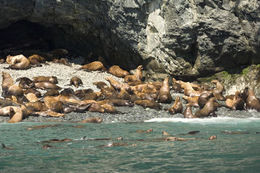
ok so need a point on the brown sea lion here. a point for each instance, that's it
(95, 107)
(92, 120)
(137, 76)
(193, 100)
(144, 131)
(164, 95)
(51, 92)
(36, 59)
(25, 83)
(164, 133)
(15, 91)
(32, 90)
(188, 88)
(117, 85)
(117, 71)
(109, 108)
(18, 62)
(76, 81)
(252, 102)
(49, 113)
(35, 106)
(176, 107)
(148, 104)
(31, 97)
(7, 81)
(46, 85)
(188, 112)
(212, 137)
(86, 94)
(235, 102)
(176, 86)
(6, 147)
(208, 109)
(53, 103)
(217, 92)
(204, 97)
(51, 79)
(94, 66)
(101, 84)
(63, 61)
(17, 114)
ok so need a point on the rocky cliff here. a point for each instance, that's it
(179, 37)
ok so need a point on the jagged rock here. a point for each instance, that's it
(182, 38)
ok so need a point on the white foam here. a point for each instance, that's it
(213, 120)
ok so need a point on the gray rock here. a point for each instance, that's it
(181, 37)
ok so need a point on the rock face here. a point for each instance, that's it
(180, 37)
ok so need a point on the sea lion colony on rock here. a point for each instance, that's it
(24, 99)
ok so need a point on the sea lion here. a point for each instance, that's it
(235, 102)
(31, 97)
(117, 71)
(16, 115)
(63, 61)
(76, 81)
(208, 109)
(15, 91)
(25, 83)
(94, 66)
(164, 95)
(144, 131)
(137, 76)
(188, 112)
(101, 84)
(217, 92)
(7, 81)
(51, 92)
(204, 97)
(46, 85)
(148, 104)
(36, 59)
(176, 107)
(164, 133)
(95, 107)
(92, 120)
(117, 85)
(252, 102)
(51, 79)
(53, 103)
(35, 106)
(18, 62)
(212, 137)
(109, 108)
(176, 86)
(192, 100)
(6, 147)
(32, 90)
(86, 94)
(188, 88)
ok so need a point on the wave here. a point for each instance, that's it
(212, 120)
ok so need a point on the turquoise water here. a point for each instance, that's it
(141, 152)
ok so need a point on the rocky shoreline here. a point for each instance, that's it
(126, 114)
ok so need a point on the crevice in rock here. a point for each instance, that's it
(25, 37)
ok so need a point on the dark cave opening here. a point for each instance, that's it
(27, 38)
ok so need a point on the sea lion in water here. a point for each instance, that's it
(164, 95)
(208, 109)
(51, 79)
(18, 62)
(137, 76)
(76, 81)
(94, 66)
(117, 71)
(176, 107)
(252, 102)
(217, 92)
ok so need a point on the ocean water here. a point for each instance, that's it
(95, 147)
